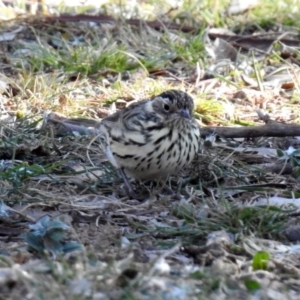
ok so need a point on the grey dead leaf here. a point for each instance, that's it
(27, 48)
(6, 164)
(89, 174)
(92, 176)
(33, 212)
(138, 218)
(81, 287)
(162, 266)
(5, 210)
(186, 261)
(227, 193)
(264, 151)
(80, 174)
(223, 50)
(3, 85)
(8, 275)
(257, 98)
(246, 67)
(171, 291)
(253, 245)
(249, 81)
(125, 242)
(224, 31)
(220, 236)
(8, 36)
(281, 76)
(276, 201)
(293, 249)
(176, 38)
(93, 202)
(6, 119)
(57, 40)
(292, 232)
(276, 248)
(203, 213)
(240, 6)
(160, 224)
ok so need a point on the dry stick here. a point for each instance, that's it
(271, 129)
(268, 130)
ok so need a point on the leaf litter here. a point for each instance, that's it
(67, 229)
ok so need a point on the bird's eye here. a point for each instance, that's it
(166, 107)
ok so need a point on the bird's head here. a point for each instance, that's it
(173, 104)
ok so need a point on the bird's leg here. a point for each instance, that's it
(129, 189)
(168, 190)
(164, 185)
(131, 193)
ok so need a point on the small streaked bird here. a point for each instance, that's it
(152, 138)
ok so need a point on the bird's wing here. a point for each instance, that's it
(140, 117)
(137, 117)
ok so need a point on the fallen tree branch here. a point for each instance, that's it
(269, 130)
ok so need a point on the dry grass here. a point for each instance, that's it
(219, 238)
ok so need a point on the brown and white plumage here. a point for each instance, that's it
(153, 138)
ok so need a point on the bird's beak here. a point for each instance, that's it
(185, 113)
